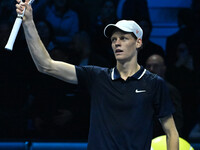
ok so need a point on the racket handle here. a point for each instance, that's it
(13, 34)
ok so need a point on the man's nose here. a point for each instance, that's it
(117, 43)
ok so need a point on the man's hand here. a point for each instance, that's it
(21, 6)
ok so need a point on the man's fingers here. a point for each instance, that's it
(18, 1)
(19, 8)
(19, 12)
(27, 1)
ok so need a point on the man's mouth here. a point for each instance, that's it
(118, 51)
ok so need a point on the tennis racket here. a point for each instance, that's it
(15, 29)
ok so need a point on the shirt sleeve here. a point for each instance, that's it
(84, 76)
(162, 103)
(88, 75)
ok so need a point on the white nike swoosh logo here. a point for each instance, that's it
(140, 91)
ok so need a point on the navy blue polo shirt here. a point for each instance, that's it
(122, 112)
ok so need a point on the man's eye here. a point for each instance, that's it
(112, 40)
(123, 38)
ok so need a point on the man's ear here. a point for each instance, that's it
(139, 43)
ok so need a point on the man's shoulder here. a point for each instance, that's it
(152, 78)
(149, 75)
(95, 69)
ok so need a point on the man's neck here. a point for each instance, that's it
(127, 69)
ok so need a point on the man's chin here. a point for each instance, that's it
(120, 59)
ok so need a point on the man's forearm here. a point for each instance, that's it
(38, 52)
(173, 142)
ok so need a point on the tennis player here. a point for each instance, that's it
(124, 99)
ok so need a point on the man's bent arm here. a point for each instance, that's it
(41, 58)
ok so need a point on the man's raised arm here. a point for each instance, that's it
(41, 58)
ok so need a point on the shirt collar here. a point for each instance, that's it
(138, 75)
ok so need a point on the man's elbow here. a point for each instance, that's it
(44, 68)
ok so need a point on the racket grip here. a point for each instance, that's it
(13, 34)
